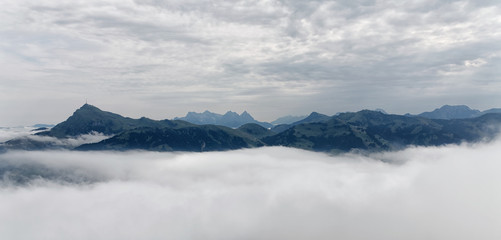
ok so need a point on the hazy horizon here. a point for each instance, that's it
(34, 122)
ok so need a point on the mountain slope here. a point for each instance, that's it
(312, 118)
(363, 130)
(375, 131)
(89, 119)
(455, 112)
(288, 120)
(255, 130)
(193, 139)
(451, 112)
(492, 110)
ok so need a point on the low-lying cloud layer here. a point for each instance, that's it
(25, 138)
(447, 192)
(8, 133)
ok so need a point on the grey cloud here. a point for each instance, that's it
(7, 133)
(244, 12)
(145, 31)
(25, 136)
(193, 52)
(70, 142)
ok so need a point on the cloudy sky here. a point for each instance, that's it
(161, 59)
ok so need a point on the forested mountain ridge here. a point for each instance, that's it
(364, 130)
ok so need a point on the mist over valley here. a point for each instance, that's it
(448, 192)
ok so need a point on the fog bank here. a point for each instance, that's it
(8, 133)
(450, 192)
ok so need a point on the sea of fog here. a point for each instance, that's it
(450, 192)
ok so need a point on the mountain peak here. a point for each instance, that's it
(88, 119)
(88, 106)
(88, 109)
(456, 107)
(246, 117)
(230, 113)
(313, 117)
(451, 112)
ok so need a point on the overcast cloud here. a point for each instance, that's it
(162, 59)
(449, 192)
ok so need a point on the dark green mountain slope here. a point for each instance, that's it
(255, 130)
(193, 139)
(89, 118)
(364, 130)
(325, 136)
(374, 131)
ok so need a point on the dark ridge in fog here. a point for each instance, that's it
(369, 131)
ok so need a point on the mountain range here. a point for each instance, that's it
(362, 131)
(312, 118)
(229, 119)
(374, 131)
(235, 120)
(456, 112)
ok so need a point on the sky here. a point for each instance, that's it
(447, 192)
(161, 59)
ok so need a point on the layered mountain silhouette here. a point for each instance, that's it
(374, 131)
(312, 118)
(364, 130)
(456, 112)
(229, 119)
(287, 119)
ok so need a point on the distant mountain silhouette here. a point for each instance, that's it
(376, 131)
(287, 119)
(229, 119)
(43, 125)
(312, 118)
(455, 112)
(451, 112)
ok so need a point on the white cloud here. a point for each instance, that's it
(27, 134)
(447, 192)
(475, 62)
(8, 133)
(71, 142)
